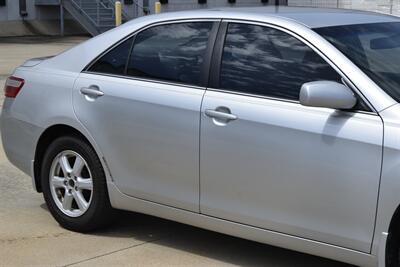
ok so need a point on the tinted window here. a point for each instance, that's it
(172, 52)
(375, 48)
(114, 62)
(264, 61)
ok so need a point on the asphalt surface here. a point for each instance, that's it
(29, 236)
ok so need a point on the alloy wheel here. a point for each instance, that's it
(71, 183)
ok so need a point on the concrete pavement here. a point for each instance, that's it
(30, 237)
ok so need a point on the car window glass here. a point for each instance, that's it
(172, 52)
(374, 48)
(268, 62)
(114, 62)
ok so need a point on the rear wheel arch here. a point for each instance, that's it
(47, 137)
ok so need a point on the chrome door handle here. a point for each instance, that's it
(92, 91)
(221, 115)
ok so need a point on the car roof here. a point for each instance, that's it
(308, 16)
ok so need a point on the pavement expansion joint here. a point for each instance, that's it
(112, 252)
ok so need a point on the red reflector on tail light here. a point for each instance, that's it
(13, 86)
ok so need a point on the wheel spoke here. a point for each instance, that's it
(80, 200)
(84, 184)
(67, 201)
(57, 182)
(64, 164)
(78, 166)
(70, 190)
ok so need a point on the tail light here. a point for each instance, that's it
(13, 86)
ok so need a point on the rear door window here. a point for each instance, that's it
(173, 52)
(114, 62)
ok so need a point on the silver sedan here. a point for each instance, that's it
(276, 125)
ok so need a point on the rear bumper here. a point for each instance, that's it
(19, 139)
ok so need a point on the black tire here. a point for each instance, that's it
(393, 249)
(99, 213)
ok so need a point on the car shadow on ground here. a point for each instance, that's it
(206, 243)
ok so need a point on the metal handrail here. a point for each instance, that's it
(82, 10)
(103, 4)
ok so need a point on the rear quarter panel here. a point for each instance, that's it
(44, 101)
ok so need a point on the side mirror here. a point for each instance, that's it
(327, 94)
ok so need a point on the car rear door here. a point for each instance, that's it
(141, 102)
(269, 162)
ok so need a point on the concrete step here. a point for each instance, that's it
(94, 13)
(104, 21)
(86, 1)
(100, 11)
(90, 6)
(94, 9)
(102, 17)
(93, 5)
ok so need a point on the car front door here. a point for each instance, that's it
(269, 162)
(141, 103)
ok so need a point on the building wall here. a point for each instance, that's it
(176, 5)
(45, 19)
(383, 6)
(10, 12)
(40, 20)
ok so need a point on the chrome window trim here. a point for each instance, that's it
(146, 80)
(215, 90)
(277, 99)
(315, 49)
